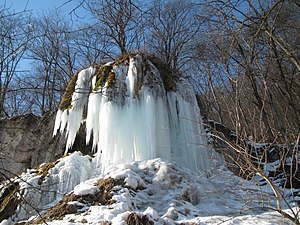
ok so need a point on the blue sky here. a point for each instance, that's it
(38, 6)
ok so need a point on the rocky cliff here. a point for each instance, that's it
(26, 142)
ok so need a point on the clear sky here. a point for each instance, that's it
(38, 6)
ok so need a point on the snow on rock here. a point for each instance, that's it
(84, 189)
(152, 213)
(132, 115)
(40, 191)
(153, 190)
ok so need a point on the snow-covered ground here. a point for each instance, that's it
(155, 191)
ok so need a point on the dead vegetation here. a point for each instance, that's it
(101, 197)
(9, 200)
(124, 59)
(106, 185)
(66, 101)
(168, 75)
(135, 219)
(43, 171)
(59, 210)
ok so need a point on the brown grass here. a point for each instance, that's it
(135, 219)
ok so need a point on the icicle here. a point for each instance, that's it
(131, 76)
(57, 122)
(189, 144)
(137, 119)
(71, 118)
(64, 120)
(79, 101)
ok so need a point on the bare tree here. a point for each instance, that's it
(172, 27)
(15, 34)
(254, 80)
(91, 47)
(119, 21)
(54, 56)
(248, 79)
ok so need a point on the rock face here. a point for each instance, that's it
(26, 142)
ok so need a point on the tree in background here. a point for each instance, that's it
(53, 57)
(120, 21)
(15, 35)
(250, 65)
(91, 47)
(172, 27)
(243, 56)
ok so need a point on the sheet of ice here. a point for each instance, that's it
(188, 138)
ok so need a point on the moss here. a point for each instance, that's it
(104, 74)
(43, 171)
(111, 79)
(135, 219)
(66, 101)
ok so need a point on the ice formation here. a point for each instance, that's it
(134, 117)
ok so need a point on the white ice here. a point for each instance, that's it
(71, 118)
(61, 179)
(137, 119)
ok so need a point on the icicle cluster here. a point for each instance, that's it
(71, 118)
(136, 118)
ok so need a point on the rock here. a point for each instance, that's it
(26, 142)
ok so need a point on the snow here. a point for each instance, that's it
(84, 189)
(162, 191)
(151, 213)
(62, 178)
(137, 119)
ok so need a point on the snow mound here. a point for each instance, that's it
(152, 191)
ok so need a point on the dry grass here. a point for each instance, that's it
(102, 197)
(135, 219)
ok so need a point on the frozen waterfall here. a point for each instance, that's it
(132, 116)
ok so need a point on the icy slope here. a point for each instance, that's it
(136, 112)
(153, 191)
